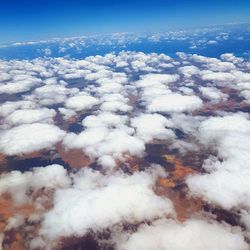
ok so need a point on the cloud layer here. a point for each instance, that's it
(161, 146)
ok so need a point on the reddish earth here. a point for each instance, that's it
(174, 188)
(3, 162)
(74, 157)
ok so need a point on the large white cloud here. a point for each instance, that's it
(98, 202)
(19, 86)
(23, 116)
(174, 103)
(192, 234)
(52, 94)
(28, 138)
(81, 102)
(152, 126)
(18, 184)
(9, 107)
(212, 93)
(229, 173)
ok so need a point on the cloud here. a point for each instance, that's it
(18, 184)
(20, 84)
(231, 58)
(218, 76)
(192, 234)
(24, 116)
(212, 93)
(115, 102)
(228, 172)
(174, 103)
(81, 102)
(67, 113)
(99, 141)
(28, 138)
(102, 202)
(156, 79)
(104, 119)
(152, 126)
(8, 107)
(189, 71)
(52, 94)
(129, 108)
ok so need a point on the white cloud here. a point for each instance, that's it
(29, 138)
(212, 93)
(99, 141)
(19, 85)
(192, 234)
(174, 103)
(53, 94)
(81, 102)
(120, 97)
(9, 107)
(102, 203)
(156, 79)
(18, 184)
(229, 173)
(23, 116)
(152, 126)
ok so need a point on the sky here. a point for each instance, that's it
(22, 20)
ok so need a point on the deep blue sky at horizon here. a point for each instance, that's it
(40, 19)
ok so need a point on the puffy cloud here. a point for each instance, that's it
(98, 202)
(81, 102)
(104, 119)
(20, 84)
(231, 58)
(115, 103)
(229, 173)
(210, 42)
(152, 126)
(189, 71)
(155, 79)
(217, 76)
(246, 95)
(18, 184)
(28, 138)
(9, 107)
(212, 93)
(23, 116)
(52, 94)
(192, 234)
(67, 113)
(174, 103)
(116, 100)
(99, 141)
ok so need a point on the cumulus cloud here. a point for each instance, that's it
(228, 176)
(28, 138)
(212, 93)
(81, 102)
(17, 184)
(52, 94)
(189, 71)
(155, 79)
(152, 126)
(174, 103)
(192, 234)
(23, 116)
(85, 206)
(20, 84)
(127, 108)
(9, 107)
(99, 141)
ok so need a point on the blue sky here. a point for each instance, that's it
(40, 19)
